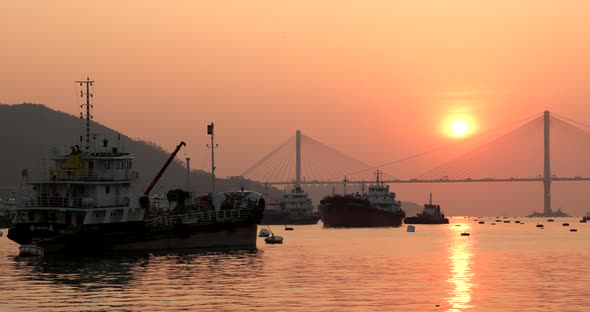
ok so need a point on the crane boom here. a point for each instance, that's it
(159, 175)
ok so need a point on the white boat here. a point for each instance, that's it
(295, 208)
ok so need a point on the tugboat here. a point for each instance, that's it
(294, 208)
(430, 215)
(376, 209)
(84, 204)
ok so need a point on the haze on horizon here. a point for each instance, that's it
(377, 80)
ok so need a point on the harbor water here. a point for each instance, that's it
(501, 267)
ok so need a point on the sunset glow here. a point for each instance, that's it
(459, 128)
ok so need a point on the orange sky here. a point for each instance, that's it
(374, 79)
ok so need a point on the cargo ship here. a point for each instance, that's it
(378, 208)
(430, 215)
(85, 204)
(295, 208)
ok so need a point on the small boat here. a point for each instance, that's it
(481, 222)
(430, 215)
(264, 233)
(507, 221)
(272, 239)
(287, 228)
(1, 233)
(411, 229)
(464, 234)
(566, 224)
(493, 223)
(549, 220)
(539, 225)
(573, 230)
(516, 221)
(582, 221)
(31, 250)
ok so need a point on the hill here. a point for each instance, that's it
(29, 132)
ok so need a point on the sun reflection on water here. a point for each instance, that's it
(461, 269)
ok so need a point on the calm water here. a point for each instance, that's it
(499, 267)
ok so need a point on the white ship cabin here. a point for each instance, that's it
(296, 199)
(82, 188)
(380, 196)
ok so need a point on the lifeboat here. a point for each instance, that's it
(31, 250)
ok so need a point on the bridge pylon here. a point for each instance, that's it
(547, 164)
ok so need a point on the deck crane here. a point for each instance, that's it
(144, 201)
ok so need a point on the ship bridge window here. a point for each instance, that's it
(107, 164)
(107, 189)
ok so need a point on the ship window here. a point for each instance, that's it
(107, 189)
(107, 164)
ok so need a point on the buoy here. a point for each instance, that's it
(411, 228)
(31, 250)
(464, 234)
(264, 233)
(573, 230)
(274, 240)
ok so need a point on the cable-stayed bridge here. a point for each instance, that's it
(545, 148)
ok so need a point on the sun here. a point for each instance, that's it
(459, 128)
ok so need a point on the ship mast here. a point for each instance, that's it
(345, 180)
(88, 116)
(377, 173)
(210, 130)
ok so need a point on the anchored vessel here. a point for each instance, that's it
(85, 204)
(294, 208)
(430, 215)
(378, 208)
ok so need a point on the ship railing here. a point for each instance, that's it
(55, 175)
(72, 202)
(203, 217)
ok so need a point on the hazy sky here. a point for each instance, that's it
(378, 80)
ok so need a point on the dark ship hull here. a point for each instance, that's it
(281, 218)
(222, 229)
(425, 220)
(5, 222)
(348, 211)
